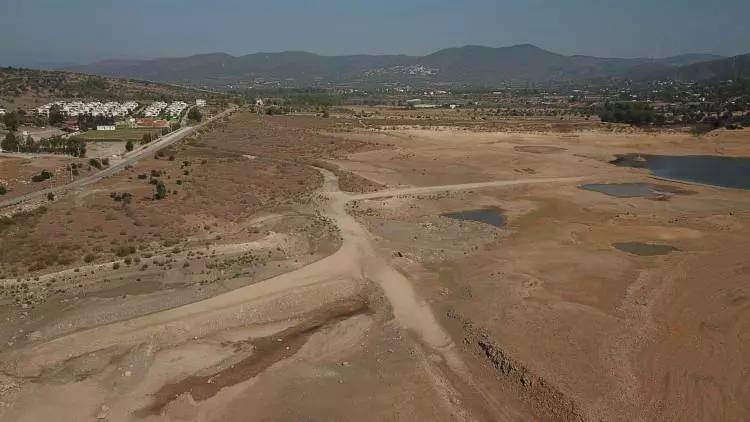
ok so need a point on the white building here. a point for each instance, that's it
(2, 111)
(200, 103)
(154, 109)
(78, 108)
(176, 108)
(105, 127)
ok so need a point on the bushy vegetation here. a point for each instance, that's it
(87, 122)
(55, 145)
(634, 113)
(17, 82)
(95, 163)
(11, 121)
(161, 190)
(195, 115)
(42, 176)
(274, 110)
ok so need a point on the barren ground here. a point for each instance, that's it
(264, 286)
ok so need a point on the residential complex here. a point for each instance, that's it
(79, 108)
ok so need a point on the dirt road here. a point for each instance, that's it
(354, 263)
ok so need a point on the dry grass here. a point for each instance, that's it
(211, 184)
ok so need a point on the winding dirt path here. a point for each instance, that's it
(356, 260)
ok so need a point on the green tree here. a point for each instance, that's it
(55, 115)
(95, 163)
(129, 146)
(31, 145)
(11, 121)
(10, 143)
(195, 115)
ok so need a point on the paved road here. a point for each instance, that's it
(115, 168)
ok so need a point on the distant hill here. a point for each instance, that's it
(734, 68)
(221, 68)
(475, 65)
(22, 88)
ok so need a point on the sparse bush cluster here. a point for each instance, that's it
(99, 163)
(124, 197)
(123, 251)
(73, 168)
(42, 176)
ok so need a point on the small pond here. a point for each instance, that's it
(538, 149)
(635, 190)
(729, 172)
(644, 249)
(491, 216)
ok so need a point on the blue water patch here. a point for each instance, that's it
(635, 190)
(491, 216)
(729, 172)
(644, 249)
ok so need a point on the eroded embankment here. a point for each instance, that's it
(545, 400)
(266, 352)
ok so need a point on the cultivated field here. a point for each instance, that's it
(312, 259)
(122, 135)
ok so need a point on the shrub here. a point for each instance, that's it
(195, 115)
(129, 146)
(50, 196)
(44, 175)
(3, 190)
(95, 163)
(161, 190)
(123, 251)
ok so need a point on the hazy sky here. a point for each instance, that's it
(38, 31)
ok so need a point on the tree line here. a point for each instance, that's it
(54, 145)
(635, 113)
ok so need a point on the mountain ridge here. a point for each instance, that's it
(470, 64)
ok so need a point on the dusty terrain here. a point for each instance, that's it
(300, 268)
